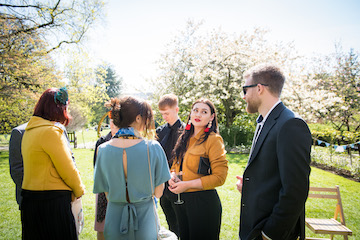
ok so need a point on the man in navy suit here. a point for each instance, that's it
(275, 183)
(16, 160)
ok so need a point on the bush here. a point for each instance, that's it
(236, 135)
(328, 134)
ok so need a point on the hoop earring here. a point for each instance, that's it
(208, 127)
(188, 126)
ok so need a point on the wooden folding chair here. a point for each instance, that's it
(328, 226)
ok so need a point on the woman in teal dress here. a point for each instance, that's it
(122, 172)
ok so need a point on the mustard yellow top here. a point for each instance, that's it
(214, 149)
(48, 164)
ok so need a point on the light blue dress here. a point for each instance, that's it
(135, 220)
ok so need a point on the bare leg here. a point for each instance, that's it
(100, 236)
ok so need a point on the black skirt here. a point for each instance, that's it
(47, 215)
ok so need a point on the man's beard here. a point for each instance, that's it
(253, 106)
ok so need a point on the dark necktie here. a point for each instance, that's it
(257, 131)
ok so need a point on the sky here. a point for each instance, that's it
(135, 32)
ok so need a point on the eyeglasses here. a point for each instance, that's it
(252, 85)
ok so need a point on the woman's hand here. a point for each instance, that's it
(73, 198)
(174, 178)
(178, 187)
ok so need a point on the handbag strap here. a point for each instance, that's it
(148, 155)
(152, 192)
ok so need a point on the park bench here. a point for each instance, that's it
(328, 226)
(72, 138)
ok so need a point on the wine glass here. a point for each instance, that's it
(178, 178)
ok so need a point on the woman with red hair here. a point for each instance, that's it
(51, 179)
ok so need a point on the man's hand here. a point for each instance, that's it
(239, 183)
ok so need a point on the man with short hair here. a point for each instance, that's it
(275, 182)
(168, 135)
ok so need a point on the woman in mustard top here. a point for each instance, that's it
(51, 178)
(200, 159)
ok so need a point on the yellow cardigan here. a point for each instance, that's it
(214, 149)
(48, 164)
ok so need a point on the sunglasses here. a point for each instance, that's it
(250, 86)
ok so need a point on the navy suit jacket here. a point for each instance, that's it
(276, 179)
(16, 160)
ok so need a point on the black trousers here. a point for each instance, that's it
(167, 204)
(200, 215)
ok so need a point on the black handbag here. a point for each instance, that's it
(204, 166)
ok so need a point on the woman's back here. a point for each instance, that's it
(111, 167)
(110, 178)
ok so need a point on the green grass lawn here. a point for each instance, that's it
(10, 225)
(4, 139)
(88, 135)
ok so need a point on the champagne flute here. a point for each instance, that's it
(178, 179)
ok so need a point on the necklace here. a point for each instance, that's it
(127, 133)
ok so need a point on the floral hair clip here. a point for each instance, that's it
(61, 96)
(113, 104)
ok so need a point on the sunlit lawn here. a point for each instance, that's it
(87, 135)
(10, 226)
